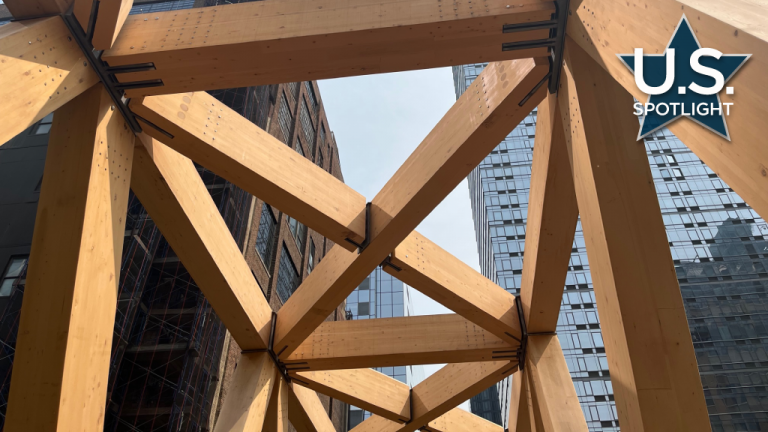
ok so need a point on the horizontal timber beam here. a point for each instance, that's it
(551, 222)
(732, 27)
(28, 9)
(442, 392)
(447, 280)
(430, 339)
(275, 41)
(170, 188)
(500, 98)
(306, 412)
(222, 140)
(61, 366)
(42, 68)
(364, 388)
(458, 420)
(646, 334)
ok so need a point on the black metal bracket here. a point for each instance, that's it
(361, 246)
(524, 330)
(106, 73)
(554, 42)
(281, 367)
(388, 263)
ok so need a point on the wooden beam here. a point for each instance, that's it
(306, 412)
(222, 140)
(62, 356)
(458, 420)
(364, 388)
(277, 411)
(441, 392)
(558, 403)
(28, 9)
(534, 414)
(602, 29)
(42, 69)
(170, 188)
(447, 280)
(551, 224)
(520, 404)
(110, 19)
(403, 341)
(278, 41)
(245, 405)
(645, 330)
(475, 125)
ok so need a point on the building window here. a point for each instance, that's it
(320, 160)
(321, 138)
(285, 118)
(311, 258)
(308, 127)
(293, 90)
(44, 126)
(311, 93)
(265, 239)
(299, 148)
(11, 274)
(299, 232)
(287, 276)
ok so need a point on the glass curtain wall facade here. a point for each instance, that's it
(720, 255)
(381, 295)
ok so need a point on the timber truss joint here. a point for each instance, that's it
(281, 367)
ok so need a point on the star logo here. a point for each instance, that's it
(683, 81)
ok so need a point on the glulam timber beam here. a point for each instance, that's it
(109, 21)
(245, 407)
(222, 140)
(442, 392)
(285, 41)
(277, 418)
(449, 281)
(170, 188)
(557, 402)
(61, 364)
(430, 339)
(500, 98)
(520, 404)
(645, 329)
(42, 69)
(551, 223)
(364, 388)
(458, 420)
(306, 412)
(605, 28)
(29, 9)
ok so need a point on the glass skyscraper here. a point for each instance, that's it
(381, 295)
(720, 255)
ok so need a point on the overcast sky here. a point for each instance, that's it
(378, 121)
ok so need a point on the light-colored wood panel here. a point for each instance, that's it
(606, 28)
(551, 223)
(452, 385)
(458, 420)
(301, 40)
(364, 388)
(222, 140)
(306, 412)
(112, 14)
(645, 330)
(558, 403)
(447, 280)
(277, 412)
(475, 124)
(61, 364)
(170, 188)
(402, 341)
(246, 402)
(42, 69)
(27, 9)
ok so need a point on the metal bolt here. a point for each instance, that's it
(30, 42)
(112, 108)
(214, 138)
(145, 19)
